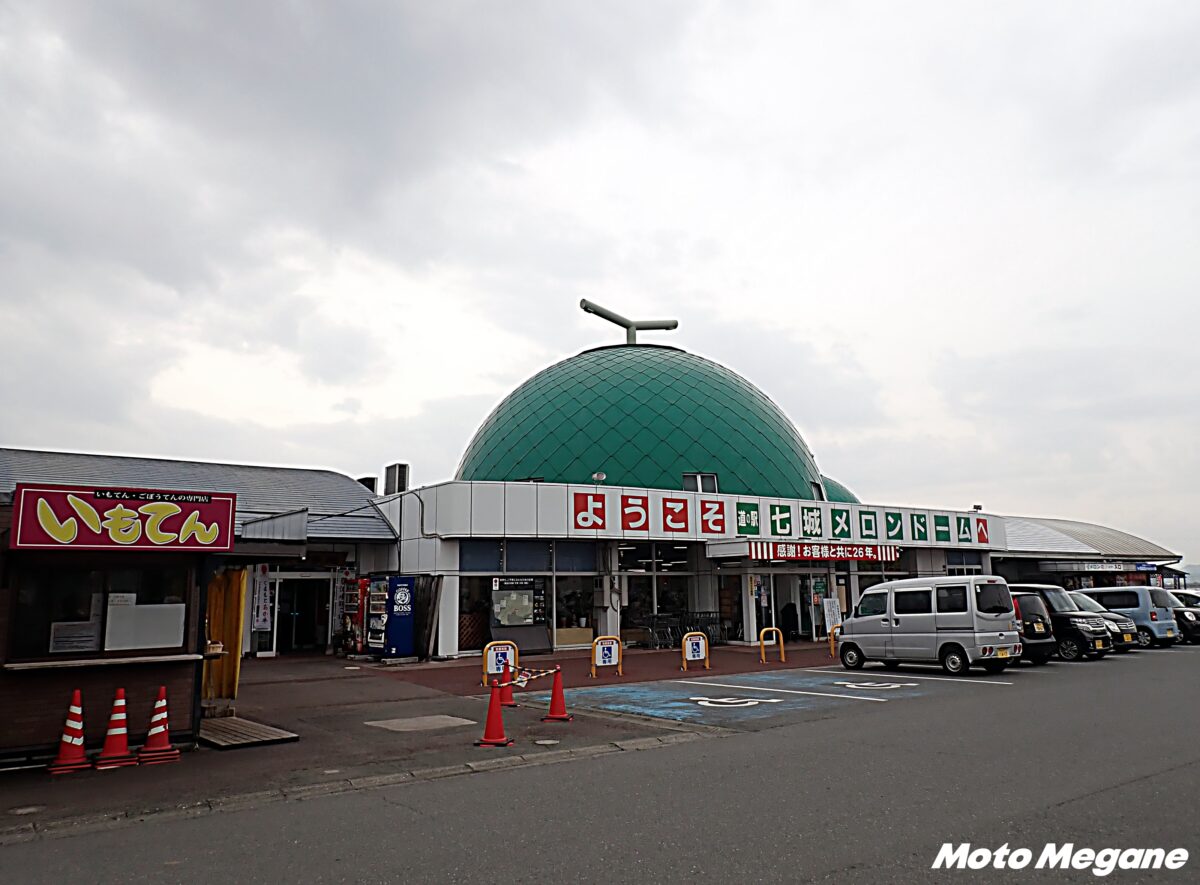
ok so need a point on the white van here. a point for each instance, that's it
(957, 622)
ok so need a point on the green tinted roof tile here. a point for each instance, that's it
(645, 415)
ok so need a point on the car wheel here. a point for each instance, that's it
(1145, 637)
(852, 658)
(891, 665)
(994, 667)
(1069, 650)
(955, 661)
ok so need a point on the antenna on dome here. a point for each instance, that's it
(630, 326)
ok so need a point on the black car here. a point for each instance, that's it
(1186, 612)
(1123, 629)
(1037, 630)
(1079, 634)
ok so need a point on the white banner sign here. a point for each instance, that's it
(597, 512)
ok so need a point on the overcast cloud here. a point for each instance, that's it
(955, 241)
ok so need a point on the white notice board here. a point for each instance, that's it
(833, 612)
(142, 626)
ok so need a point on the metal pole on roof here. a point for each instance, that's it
(631, 327)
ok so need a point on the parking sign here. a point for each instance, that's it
(606, 652)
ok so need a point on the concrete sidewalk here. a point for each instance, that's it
(328, 701)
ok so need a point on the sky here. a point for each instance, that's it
(955, 241)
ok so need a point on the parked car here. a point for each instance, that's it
(957, 622)
(1154, 618)
(1079, 634)
(1122, 628)
(1190, 598)
(1187, 616)
(1038, 644)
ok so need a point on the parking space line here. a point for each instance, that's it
(820, 694)
(907, 675)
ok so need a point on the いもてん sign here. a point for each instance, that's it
(52, 516)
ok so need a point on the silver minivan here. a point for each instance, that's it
(957, 622)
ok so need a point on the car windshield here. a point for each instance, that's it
(1059, 600)
(1088, 604)
(993, 599)
(1031, 605)
(1164, 599)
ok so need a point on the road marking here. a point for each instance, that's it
(882, 686)
(934, 678)
(735, 702)
(819, 694)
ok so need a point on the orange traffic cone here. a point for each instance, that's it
(116, 743)
(506, 691)
(71, 756)
(493, 729)
(558, 702)
(157, 748)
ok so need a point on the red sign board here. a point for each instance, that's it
(52, 517)
(801, 550)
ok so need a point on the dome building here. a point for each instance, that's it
(642, 491)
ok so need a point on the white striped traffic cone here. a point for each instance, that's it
(157, 748)
(71, 756)
(116, 743)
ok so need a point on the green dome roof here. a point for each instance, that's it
(644, 415)
(838, 493)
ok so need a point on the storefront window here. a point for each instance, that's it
(474, 612)
(479, 555)
(637, 557)
(573, 610)
(671, 557)
(65, 610)
(672, 594)
(527, 556)
(575, 556)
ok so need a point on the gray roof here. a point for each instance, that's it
(261, 491)
(1030, 535)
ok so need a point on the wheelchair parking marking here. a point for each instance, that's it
(880, 686)
(819, 694)
(923, 678)
(726, 703)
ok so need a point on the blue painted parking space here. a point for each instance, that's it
(748, 698)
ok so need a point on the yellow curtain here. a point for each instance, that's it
(226, 613)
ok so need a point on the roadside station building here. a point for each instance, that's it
(637, 491)
(641, 491)
(119, 572)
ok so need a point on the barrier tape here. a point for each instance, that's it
(522, 677)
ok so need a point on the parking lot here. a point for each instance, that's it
(773, 697)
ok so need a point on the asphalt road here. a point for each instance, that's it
(1101, 754)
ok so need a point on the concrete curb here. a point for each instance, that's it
(71, 826)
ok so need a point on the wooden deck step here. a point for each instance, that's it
(233, 732)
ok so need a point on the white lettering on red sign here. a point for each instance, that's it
(981, 530)
(675, 514)
(589, 511)
(712, 517)
(635, 513)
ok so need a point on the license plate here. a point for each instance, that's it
(1170, 633)
(1002, 652)
(1099, 643)
(1129, 637)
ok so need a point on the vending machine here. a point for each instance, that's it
(398, 629)
(376, 614)
(391, 616)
